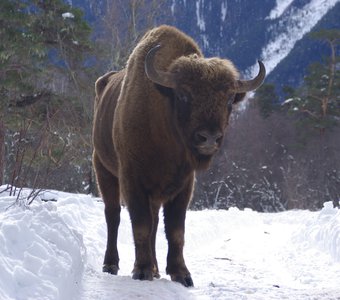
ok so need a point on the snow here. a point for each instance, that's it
(287, 101)
(68, 15)
(224, 8)
(200, 7)
(172, 7)
(200, 15)
(279, 9)
(294, 26)
(54, 250)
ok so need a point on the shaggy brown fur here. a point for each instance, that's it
(149, 140)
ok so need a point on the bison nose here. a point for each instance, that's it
(209, 138)
(208, 142)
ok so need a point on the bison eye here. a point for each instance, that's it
(183, 107)
(183, 98)
(231, 99)
(230, 103)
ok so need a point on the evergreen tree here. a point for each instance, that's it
(43, 84)
(319, 97)
(35, 36)
(267, 99)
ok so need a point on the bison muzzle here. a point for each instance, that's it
(155, 123)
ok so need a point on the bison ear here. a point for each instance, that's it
(239, 97)
(102, 82)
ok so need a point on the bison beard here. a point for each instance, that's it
(155, 123)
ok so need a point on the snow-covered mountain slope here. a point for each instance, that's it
(54, 250)
(243, 30)
(249, 30)
(294, 23)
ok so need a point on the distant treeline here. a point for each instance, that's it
(276, 156)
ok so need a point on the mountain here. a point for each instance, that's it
(275, 31)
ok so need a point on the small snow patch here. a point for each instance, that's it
(279, 9)
(68, 15)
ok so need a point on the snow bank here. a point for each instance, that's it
(40, 256)
(322, 231)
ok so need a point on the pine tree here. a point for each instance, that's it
(44, 44)
(267, 99)
(319, 97)
(37, 35)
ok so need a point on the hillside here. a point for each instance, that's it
(275, 31)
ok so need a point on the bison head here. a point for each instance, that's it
(202, 94)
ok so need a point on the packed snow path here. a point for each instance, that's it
(54, 250)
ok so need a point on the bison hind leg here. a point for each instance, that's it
(109, 188)
(111, 269)
(155, 272)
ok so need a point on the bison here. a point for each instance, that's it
(155, 123)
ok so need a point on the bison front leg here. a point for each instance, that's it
(174, 221)
(155, 219)
(144, 225)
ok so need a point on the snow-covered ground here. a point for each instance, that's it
(54, 250)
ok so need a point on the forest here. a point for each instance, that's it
(281, 150)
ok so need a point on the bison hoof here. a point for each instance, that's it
(143, 275)
(112, 269)
(184, 280)
(155, 272)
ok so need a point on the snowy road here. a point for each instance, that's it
(55, 250)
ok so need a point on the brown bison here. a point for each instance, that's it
(156, 122)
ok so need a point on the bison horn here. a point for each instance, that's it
(160, 77)
(250, 85)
